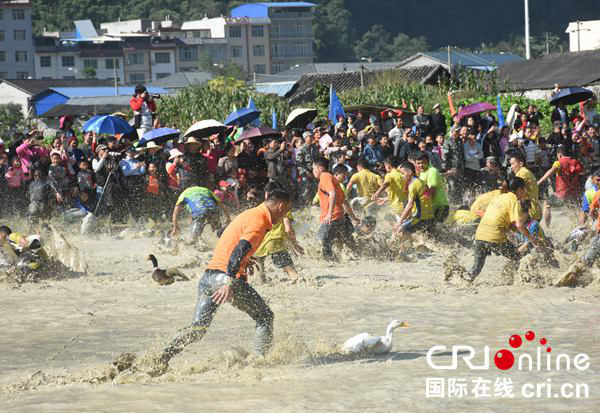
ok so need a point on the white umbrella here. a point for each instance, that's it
(205, 128)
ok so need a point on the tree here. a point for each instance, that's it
(404, 46)
(333, 31)
(375, 44)
(227, 70)
(89, 72)
(11, 117)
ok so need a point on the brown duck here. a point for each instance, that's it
(168, 276)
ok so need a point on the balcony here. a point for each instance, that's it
(292, 35)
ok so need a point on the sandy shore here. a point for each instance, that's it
(57, 338)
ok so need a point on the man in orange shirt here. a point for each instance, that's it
(226, 278)
(335, 225)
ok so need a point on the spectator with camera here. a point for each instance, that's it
(144, 110)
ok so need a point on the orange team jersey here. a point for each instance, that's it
(596, 205)
(251, 225)
(328, 183)
(153, 185)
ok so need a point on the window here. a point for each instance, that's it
(162, 75)
(235, 31)
(135, 59)
(93, 63)
(2, 36)
(111, 63)
(2, 56)
(217, 52)
(46, 77)
(163, 57)
(236, 51)
(68, 61)
(196, 35)
(22, 75)
(260, 69)
(20, 35)
(257, 31)
(45, 61)
(278, 67)
(20, 56)
(18, 14)
(3, 75)
(137, 78)
(188, 53)
(258, 51)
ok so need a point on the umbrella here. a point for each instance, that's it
(299, 118)
(242, 117)
(107, 124)
(159, 136)
(571, 95)
(474, 109)
(205, 128)
(258, 134)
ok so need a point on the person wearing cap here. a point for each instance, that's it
(438, 121)
(305, 155)
(144, 110)
(204, 207)
(491, 174)
(104, 166)
(174, 169)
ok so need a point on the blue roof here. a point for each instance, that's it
(101, 91)
(474, 59)
(262, 9)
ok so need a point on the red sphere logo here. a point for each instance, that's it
(504, 359)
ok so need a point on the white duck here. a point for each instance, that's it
(366, 343)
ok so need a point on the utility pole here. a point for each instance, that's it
(115, 76)
(547, 43)
(362, 76)
(527, 48)
(579, 30)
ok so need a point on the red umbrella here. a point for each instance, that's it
(474, 109)
(258, 134)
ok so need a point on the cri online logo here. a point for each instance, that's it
(504, 359)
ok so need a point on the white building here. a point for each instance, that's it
(584, 35)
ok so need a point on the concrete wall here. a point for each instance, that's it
(589, 35)
(10, 94)
(58, 71)
(162, 68)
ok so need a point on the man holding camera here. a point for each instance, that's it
(144, 110)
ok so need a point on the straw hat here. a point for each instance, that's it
(175, 153)
(149, 146)
(192, 141)
(101, 147)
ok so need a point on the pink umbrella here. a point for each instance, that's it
(474, 109)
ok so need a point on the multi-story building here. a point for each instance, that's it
(73, 55)
(16, 39)
(290, 32)
(245, 41)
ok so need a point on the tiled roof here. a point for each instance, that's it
(303, 91)
(35, 86)
(182, 79)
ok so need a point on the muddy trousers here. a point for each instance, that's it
(244, 298)
(484, 248)
(339, 230)
(593, 251)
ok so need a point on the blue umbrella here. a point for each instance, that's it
(242, 117)
(159, 136)
(107, 124)
(571, 95)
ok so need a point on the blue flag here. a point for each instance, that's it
(501, 120)
(252, 106)
(274, 121)
(335, 106)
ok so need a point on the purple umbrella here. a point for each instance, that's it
(474, 109)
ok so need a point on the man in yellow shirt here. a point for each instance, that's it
(274, 243)
(418, 211)
(395, 184)
(492, 233)
(517, 164)
(367, 183)
(482, 201)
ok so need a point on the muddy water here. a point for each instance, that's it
(59, 338)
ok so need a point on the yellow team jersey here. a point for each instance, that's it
(423, 204)
(396, 187)
(274, 240)
(461, 217)
(500, 214)
(367, 182)
(533, 192)
(483, 200)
